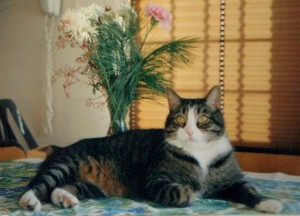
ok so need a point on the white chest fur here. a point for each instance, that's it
(206, 155)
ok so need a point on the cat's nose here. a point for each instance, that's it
(189, 132)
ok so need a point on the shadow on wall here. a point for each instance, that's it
(285, 79)
(271, 99)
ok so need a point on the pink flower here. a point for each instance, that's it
(159, 14)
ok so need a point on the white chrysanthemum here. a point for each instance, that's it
(122, 15)
(84, 32)
(93, 11)
(123, 6)
(79, 26)
(120, 20)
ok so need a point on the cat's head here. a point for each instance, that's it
(196, 122)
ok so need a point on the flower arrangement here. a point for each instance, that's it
(114, 61)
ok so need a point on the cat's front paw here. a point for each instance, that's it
(270, 206)
(63, 198)
(30, 202)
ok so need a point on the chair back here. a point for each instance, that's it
(6, 129)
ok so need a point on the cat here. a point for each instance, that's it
(190, 158)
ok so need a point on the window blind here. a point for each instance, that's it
(262, 91)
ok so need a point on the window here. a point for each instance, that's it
(262, 61)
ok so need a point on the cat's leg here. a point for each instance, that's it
(170, 193)
(63, 198)
(269, 205)
(30, 201)
(69, 195)
(42, 185)
(243, 192)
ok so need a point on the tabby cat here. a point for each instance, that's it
(191, 158)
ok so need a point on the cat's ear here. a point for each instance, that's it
(173, 99)
(213, 99)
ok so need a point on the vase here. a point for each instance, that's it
(117, 126)
(117, 122)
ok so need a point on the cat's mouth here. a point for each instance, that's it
(195, 140)
(188, 137)
(191, 139)
(185, 140)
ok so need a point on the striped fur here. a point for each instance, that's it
(134, 158)
(189, 159)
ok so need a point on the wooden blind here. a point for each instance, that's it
(262, 90)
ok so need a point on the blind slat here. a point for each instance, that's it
(261, 66)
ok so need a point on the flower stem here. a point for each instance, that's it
(153, 23)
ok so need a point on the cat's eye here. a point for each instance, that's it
(180, 120)
(203, 119)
